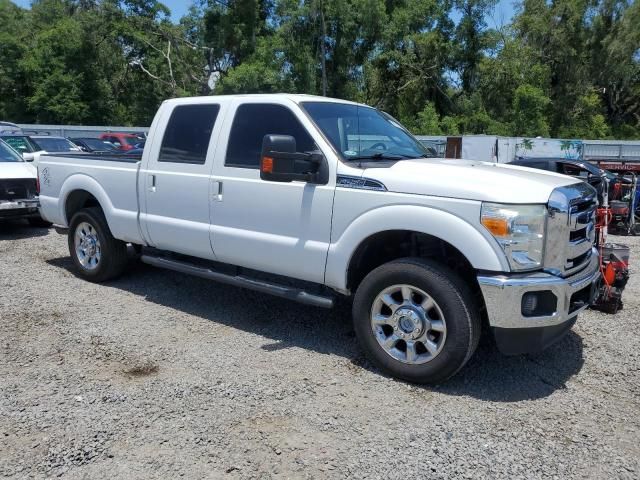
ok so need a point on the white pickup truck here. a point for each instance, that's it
(309, 198)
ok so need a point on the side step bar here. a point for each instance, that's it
(263, 286)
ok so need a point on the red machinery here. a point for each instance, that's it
(614, 261)
(625, 211)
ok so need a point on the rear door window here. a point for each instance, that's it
(255, 120)
(186, 138)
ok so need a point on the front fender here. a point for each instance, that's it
(482, 252)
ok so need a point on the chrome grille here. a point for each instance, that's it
(570, 229)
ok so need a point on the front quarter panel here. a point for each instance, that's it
(359, 214)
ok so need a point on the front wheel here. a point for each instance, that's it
(97, 255)
(416, 320)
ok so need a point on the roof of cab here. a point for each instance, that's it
(295, 97)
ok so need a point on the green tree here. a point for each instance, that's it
(530, 107)
(561, 68)
(14, 36)
(471, 39)
(586, 119)
(427, 122)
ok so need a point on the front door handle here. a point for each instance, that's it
(152, 183)
(216, 190)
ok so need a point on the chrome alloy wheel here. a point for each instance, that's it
(408, 324)
(87, 246)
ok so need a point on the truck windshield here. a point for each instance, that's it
(364, 133)
(8, 154)
(96, 144)
(133, 140)
(53, 144)
(21, 144)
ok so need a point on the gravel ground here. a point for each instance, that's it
(160, 375)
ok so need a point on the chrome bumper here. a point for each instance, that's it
(18, 204)
(503, 295)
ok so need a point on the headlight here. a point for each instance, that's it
(520, 230)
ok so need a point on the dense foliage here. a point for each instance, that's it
(563, 68)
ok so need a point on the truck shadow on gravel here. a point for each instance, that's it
(488, 376)
(19, 229)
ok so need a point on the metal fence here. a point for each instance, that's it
(617, 151)
(601, 150)
(78, 130)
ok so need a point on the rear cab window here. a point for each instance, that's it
(252, 122)
(187, 134)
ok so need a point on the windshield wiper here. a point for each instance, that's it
(381, 156)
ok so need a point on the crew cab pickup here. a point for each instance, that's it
(309, 198)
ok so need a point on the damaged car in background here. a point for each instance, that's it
(18, 187)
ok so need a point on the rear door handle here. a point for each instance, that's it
(152, 183)
(216, 190)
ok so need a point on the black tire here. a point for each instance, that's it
(113, 258)
(455, 300)
(38, 222)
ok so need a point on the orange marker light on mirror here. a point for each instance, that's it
(267, 164)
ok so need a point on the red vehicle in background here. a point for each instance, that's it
(122, 141)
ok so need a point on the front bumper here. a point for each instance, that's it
(18, 208)
(517, 333)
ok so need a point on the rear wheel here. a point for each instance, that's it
(97, 255)
(416, 319)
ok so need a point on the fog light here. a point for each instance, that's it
(529, 304)
(539, 304)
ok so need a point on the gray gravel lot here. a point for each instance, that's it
(160, 375)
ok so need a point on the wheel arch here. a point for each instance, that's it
(424, 228)
(388, 245)
(76, 201)
(80, 191)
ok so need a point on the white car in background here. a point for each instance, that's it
(18, 187)
(9, 128)
(50, 144)
(32, 146)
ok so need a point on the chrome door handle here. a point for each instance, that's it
(152, 183)
(216, 190)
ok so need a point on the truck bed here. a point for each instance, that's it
(117, 174)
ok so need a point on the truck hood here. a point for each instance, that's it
(9, 170)
(470, 180)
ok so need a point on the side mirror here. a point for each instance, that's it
(28, 157)
(280, 162)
